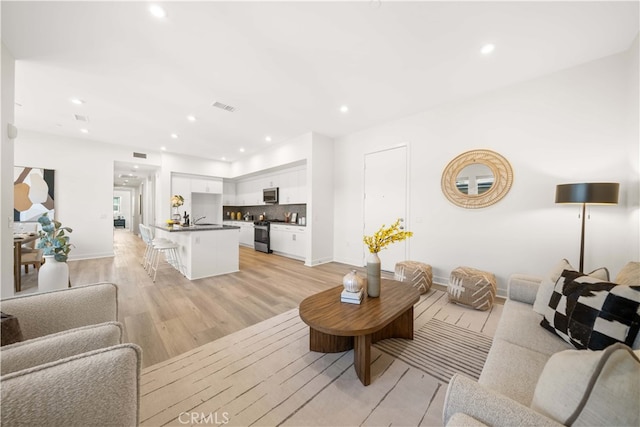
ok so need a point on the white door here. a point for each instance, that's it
(385, 199)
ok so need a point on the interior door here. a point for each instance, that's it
(385, 199)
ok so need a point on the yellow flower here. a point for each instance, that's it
(177, 200)
(384, 237)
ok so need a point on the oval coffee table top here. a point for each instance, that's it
(325, 313)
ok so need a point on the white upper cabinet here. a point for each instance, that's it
(205, 185)
(292, 184)
(228, 193)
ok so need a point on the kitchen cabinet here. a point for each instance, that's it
(293, 187)
(246, 232)
(288, 240)
(204, 185)
(292, 184)
(229, 193)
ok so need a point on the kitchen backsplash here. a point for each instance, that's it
(270, 211)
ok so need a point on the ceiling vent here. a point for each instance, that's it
(139, 155)
(81, 118)
(224, 107)
(127, 176)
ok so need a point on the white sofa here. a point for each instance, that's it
(72, 368)
(520, 351)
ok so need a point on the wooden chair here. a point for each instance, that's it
(34, 258)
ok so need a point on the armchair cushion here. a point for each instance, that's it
(54, 347)
(101, 387)
(591, 387)
(487, 406)
(73, 308)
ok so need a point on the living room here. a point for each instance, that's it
(574, 121)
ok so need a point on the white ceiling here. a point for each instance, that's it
(286, 67)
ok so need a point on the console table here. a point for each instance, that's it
(119, 223)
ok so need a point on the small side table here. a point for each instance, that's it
(119, 223)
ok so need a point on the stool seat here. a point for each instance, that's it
(417, 274)
(472, 287)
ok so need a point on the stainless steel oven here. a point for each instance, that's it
(261, 236)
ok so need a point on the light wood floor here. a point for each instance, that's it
(174, 315)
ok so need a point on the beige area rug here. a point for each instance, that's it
(441, 349)
(265, 375)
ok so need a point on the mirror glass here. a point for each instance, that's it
(474, 179)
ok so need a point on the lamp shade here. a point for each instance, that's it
(590, 192)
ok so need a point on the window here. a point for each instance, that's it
(116, 204)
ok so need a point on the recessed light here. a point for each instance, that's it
(77, 101)
(174, 135)
(344, 109)
(268, 139)
(191, 118)
(242, 150)
(136, 166)
(223, 158)
(84, 130)
(163, 148)
(487, 49)
(157, 11)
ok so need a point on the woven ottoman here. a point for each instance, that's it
(473, 288)
(418, 274)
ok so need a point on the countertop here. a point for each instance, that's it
(208, 227)
(278, 222)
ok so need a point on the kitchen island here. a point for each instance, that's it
(205, 250)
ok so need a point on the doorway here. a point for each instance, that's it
(385, 199)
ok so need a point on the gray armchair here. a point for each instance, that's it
(71, 368)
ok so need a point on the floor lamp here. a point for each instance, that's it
(590, 192)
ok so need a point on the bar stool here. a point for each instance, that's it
(171, 253)
(149, 253)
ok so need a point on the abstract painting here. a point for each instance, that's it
(33, 193)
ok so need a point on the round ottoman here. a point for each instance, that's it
(471, 287)
(418, 274)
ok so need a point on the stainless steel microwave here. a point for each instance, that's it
(270, 195)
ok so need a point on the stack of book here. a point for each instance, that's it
(352, 297)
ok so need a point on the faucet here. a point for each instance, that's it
(196, 220)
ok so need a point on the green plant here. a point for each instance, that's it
(53, 238)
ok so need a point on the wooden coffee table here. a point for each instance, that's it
(335, 326)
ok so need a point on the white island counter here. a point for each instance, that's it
(205, 250)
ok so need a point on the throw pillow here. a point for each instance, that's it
(591, 387)
(546, 287)
(629, 275)
(591, 314)
(10, 331)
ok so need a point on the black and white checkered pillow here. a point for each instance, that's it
(591, 314)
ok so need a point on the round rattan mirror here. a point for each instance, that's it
(477, 179)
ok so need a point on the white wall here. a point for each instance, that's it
(83, 187)
(571, 126)
(6, 173)
(320, 213)
(291, 151)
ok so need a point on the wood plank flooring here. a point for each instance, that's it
(175, 315)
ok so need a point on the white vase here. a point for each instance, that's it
(53, 274)
(373, 275)
(351, 282)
